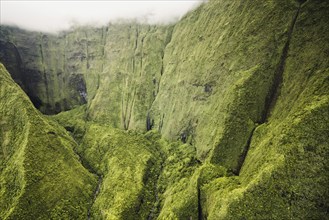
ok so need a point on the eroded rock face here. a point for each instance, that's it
(131, 76)
(44, 67)
(241, 85)
(122, 62)
(11, 58)
(218, 78)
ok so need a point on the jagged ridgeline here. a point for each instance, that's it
(223, 115)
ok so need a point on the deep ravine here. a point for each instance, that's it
(87, 166)
(95, 194)
(154, 210)
(200, 215)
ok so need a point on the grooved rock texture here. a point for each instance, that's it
(131, 76)
(223, 115)
(217, 79)
(62, 71)
(46, 68)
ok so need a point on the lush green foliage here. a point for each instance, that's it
(128, 164)
(285, 169)
(236, 98)
(39, 170)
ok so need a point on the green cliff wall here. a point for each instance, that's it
(130, 79)
(51, 83)
(286, 165)
(62, 71)
(218, 75)
(234, 97)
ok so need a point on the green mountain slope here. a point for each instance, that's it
(223, 115)
(41, 176)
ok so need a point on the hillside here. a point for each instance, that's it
(223, 115)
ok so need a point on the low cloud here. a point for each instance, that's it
(53, 16)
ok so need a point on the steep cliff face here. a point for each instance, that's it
(285, 167)
(130, 79)
(51, 82)
(238, 91)
(218, 80)
(117, 67)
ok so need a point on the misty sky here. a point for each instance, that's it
(55, 15)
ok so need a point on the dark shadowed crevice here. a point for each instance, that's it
(11, 59)
(135, 50)
(91, 170)
(154, 210)
(81, 87)
(141, 65)
(104, 40)
(149, 122)
(156, 83)
(244, 154)
(95, 194)
(27, 79)
(136, 40)
(301, 1)
(161, 123)
(87, 51)
(133, 64)
(123, 115)
(45, 78)
(274, 91)
(199, 205)
(64, 55)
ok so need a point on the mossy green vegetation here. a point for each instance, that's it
(141, 176)
(131, 76)
(223, 115)
(45, 68)
(285, 170)
(176, 184)
(128, 164)
(217, 81)
(74, 121)
(41, 176)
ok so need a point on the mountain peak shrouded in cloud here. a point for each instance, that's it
(53, 16)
